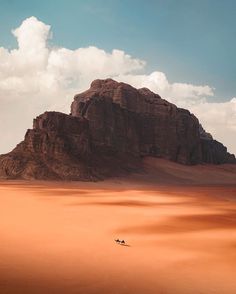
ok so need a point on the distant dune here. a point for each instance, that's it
(166, 172)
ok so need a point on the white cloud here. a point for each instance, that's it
(220, 120)
(182, 94)
(36, 77)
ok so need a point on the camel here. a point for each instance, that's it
(121, 242)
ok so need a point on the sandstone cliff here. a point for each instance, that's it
(112, 126)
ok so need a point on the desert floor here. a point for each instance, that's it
(59, 237)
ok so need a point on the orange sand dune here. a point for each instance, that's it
(59, 237)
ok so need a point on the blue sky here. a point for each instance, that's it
(191, 41)
(182, 50)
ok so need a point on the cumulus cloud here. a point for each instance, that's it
(36, 77)
(183, 94)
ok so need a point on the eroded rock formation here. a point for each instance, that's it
(112, 126)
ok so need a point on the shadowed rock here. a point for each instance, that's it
(112, 126)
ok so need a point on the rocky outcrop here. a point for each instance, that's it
(215, 152)
(122, 118)
(59, 147)
(112, 126)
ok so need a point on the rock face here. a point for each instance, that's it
(112, 126)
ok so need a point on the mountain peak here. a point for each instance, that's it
(112, 127)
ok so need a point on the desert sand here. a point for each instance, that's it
(179, 224)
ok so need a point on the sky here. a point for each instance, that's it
(182, 49)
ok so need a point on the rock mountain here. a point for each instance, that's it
(112, 126)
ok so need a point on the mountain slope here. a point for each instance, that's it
(112, 126)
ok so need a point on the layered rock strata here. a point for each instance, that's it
(112, 126)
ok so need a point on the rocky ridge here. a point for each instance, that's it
(112, 126)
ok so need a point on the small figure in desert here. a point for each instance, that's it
(121, 242)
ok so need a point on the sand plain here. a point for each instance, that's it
(181, 236)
